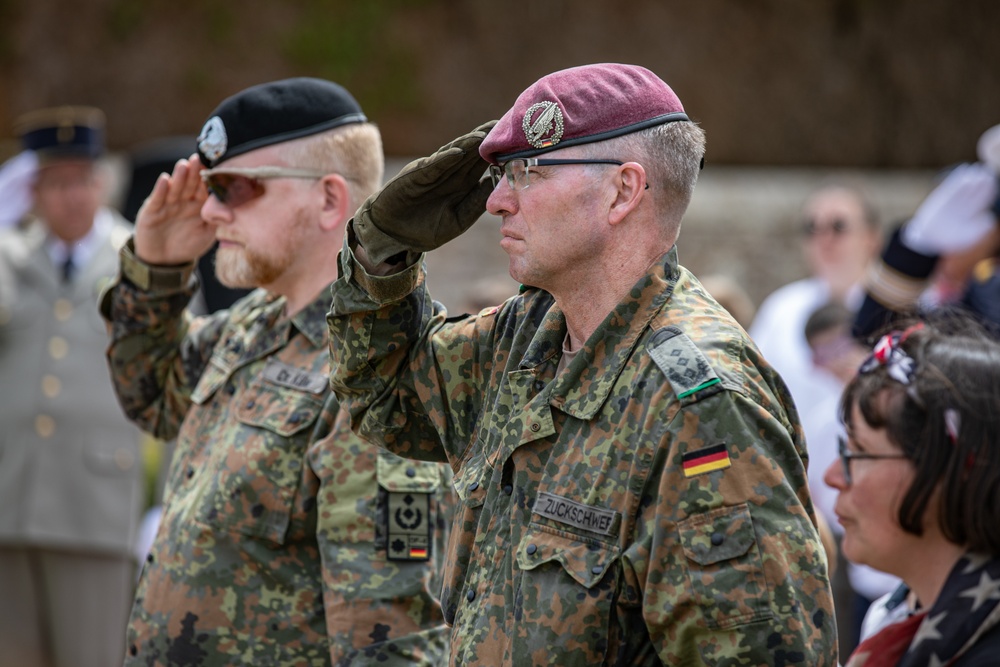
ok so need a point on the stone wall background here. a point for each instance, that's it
(789, 92)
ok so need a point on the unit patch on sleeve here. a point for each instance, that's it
(705, 460)
(409, 525)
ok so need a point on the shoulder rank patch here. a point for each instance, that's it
(686, 368)
(576, 514)
(705, 460)
(409, 525)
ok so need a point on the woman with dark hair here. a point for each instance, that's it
(919, 489)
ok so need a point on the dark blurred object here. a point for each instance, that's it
(996, 202)
(64, 132)
(148, 161)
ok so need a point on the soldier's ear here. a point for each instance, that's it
(336, 208)
(631, 186)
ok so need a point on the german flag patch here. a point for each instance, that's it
(705, 460)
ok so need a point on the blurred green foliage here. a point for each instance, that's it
(154, 455)
(8, 20)
(124, 17)
(346, 41)
(343, 40)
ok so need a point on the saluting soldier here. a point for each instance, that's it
(70, 477)
(632, 473)
(285, 539)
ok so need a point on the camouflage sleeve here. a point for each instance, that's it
(381, 532)
(157, 352)
(406, 376)
(726, 551)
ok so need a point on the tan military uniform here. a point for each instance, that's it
(70, 474)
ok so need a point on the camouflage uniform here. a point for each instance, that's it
(648, 505)
(277, 519)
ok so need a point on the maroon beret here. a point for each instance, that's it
(581, 105)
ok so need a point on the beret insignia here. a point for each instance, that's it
(545, 130)
(213, 140)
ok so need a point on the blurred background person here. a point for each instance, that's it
(952, 237)
(70, 475)
(840, 237)
(836, 354)
(919, 489)
(17, 176)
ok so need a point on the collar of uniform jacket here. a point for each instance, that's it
(311, 320)
(588, 380)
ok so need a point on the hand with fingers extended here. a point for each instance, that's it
(956, 215)
(431, 201)
(169, 229)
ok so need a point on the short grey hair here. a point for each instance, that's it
(670, 153)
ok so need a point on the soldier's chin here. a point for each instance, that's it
(232, 270)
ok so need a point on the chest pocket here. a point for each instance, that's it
(259, 470)
(567, 586)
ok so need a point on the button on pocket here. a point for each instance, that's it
(725, 567)
(564, 578)
(253, 493)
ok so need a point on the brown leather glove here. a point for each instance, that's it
(431, 201)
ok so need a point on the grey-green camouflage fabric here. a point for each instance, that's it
(646, 505)
(285, 538)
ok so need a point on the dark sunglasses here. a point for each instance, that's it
(812, 228)
(234, 186)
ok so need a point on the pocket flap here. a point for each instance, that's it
(718, 535)
(470, 482)
(397, 474)
(212, 378)
(583, 559)
(281, 411)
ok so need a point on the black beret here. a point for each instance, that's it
(271, 113)
(63, 132)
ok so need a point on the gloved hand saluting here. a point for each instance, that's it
(430, 202)
(956, 215)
